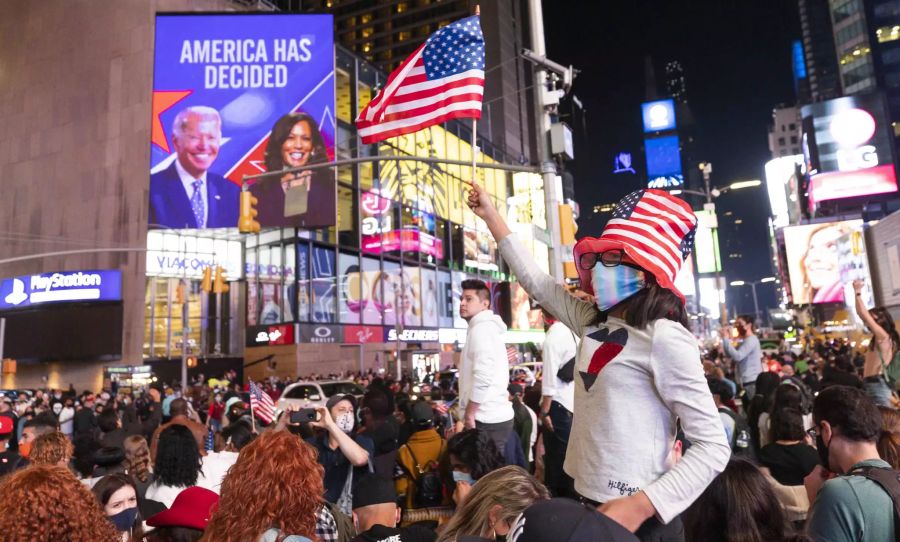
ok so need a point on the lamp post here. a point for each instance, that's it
(752, 284)
(709, 194)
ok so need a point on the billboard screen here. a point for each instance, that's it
(813, 256)
(61, 287)
(658, 115)
(784, 188)
(663, 162)
(237, 95)
(848, 148)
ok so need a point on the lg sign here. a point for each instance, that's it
(850, 129)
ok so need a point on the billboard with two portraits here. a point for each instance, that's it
(236, 95)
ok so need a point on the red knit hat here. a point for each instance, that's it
(654, 229)
(191, 508)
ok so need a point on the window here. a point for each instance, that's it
(793, 140)
(342, 388)
(792, 127)
(301, 392)
(781, 141)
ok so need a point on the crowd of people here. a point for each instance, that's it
(631, 432)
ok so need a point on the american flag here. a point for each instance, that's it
(261, 403)
(442, 80)
(441, 407)
(512, 354)
(655, 226)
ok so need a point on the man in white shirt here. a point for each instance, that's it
(484, 369)
(558, 398)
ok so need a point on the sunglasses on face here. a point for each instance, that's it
(609, 258)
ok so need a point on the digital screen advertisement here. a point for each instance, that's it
(663, 162)
(813, 257)
(853, 264)
(658, 115)
(237, 95)
(65, 286)
(848, 148)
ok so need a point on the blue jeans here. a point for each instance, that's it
(878, 390)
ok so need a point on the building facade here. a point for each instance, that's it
(350, 296)
(784, 132)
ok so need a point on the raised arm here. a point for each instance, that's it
(574, 313)
(863, 312)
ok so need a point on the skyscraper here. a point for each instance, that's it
(818, 50)
(675, 84)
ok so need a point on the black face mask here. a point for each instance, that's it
(823, 452)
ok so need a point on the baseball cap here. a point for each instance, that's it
(373, 489)
(230, 402)
(563, 520)
(6, 425)
(421, 414)
(191, 508)
(335, 399)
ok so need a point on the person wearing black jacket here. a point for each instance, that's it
(85, 420)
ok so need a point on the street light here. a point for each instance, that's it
(753, 284)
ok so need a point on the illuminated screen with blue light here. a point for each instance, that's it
(663, 162)
(799, 61)
(658, 115)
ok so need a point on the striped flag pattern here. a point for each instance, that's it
(656, 228)
(261, 403)
(512, 354)
(442, 80)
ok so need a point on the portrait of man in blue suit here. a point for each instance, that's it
(186, 194)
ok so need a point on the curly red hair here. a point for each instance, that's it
(47, 502)
(275, 483)
(51, 449)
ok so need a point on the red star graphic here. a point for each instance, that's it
(163, 100)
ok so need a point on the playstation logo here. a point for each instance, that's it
(18, 294)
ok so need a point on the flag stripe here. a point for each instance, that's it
(379, 136)
(468, 93)
(395, 80)
(651, 207)
(651, 239)
(424, 120)
(261, 403)
(636, 241)
(471, 75)
(662, 226)
(678, 209)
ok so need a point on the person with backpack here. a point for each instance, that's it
(418, 477)
(854, 492)
(737, 430)
(557, 402)
(880, 372)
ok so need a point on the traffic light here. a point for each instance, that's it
(220, 285)
(247, 221)
(179, 293)
(206, 283)
(191, 361)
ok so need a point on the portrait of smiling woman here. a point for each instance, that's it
(305, 199)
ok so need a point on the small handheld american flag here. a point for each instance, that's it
(442, 80)
(261, 404)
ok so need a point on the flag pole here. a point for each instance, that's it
(475, 122)
(252, 414)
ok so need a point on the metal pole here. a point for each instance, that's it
(184, 337)
(755, 303)
(2, 336)
(723, 310)
(548, 167)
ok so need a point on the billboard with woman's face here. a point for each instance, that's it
(813, 261)
(237, 95)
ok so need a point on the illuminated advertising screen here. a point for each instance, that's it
(663, 162)
(813, 261)
(847, 144)
(658, 115)
(706, 243)
(783, 188)
(237, 95)
(64, 286)
(853, 264)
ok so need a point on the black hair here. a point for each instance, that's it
(83, 455)
(476, 450)
(107, 420)
(178, 407)
(280, 133)
(240, 433)
(850, 411)
(787, 396)
(484, 293)
(787, 424)
(883, 318)
(174, 534)
(178, 461)
(44, 422)
(377, 403)
(720, 388)
(749, 318)
(739, 504)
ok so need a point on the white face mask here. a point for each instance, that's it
(345, 422)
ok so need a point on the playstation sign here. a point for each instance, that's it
(64, 286)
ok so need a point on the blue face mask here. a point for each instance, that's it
(459, 476)
(612, 285)
(124, 520)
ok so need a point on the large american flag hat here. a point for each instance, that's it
(654, 229)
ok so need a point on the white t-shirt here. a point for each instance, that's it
(630, 387)
(559, 347)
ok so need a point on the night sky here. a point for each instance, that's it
(737, 63)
